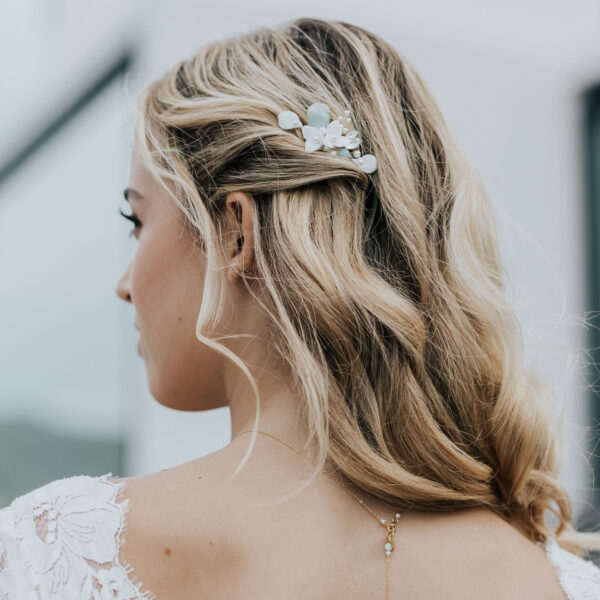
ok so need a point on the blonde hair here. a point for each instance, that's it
(384, 291)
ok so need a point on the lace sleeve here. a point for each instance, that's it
(61, 542)
(579, 578)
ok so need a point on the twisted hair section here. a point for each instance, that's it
(385, 292)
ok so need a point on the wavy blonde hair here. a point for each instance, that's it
(384, 291)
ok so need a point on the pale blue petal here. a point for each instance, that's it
(318, 115)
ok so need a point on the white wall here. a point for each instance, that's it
(61, 248)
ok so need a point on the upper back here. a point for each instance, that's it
(200, 537)
(190, 532)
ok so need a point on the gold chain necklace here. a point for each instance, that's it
(389, 525)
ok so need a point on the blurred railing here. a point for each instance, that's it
(114, 71)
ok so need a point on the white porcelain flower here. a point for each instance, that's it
(332, 136)
(315, 137)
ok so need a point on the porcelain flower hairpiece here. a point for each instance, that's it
(334, 136)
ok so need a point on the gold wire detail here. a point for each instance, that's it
(389, 525)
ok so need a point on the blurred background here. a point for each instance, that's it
(519, 82)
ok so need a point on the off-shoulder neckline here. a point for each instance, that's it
(551, 546)
(123, 504)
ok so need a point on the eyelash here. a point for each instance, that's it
(134, 220)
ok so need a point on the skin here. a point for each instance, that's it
(164, 283)
(191, 529)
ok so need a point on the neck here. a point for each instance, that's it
(279, 413)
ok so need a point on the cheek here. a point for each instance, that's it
(150, 286)
(166, 286)
(143, 277)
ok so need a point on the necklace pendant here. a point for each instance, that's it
(391, 527)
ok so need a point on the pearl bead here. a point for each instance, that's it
(388, 553)
(383, 521)
(356, 153)
(397, 515)
(347, 112)
(388, 546)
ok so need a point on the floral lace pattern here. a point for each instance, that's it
(61, 542)
(579, 578)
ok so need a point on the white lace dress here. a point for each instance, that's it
(61, 542)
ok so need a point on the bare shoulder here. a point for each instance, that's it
(190, 533)
(475, 553)
(174, 533)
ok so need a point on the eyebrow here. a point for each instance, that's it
(131, 192)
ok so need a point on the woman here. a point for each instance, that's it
(315, 252)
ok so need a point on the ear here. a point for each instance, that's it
(239, 220)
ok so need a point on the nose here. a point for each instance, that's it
(122, 289)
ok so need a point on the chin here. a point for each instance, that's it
(187, 404)
(183, 400)
(183, 389)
